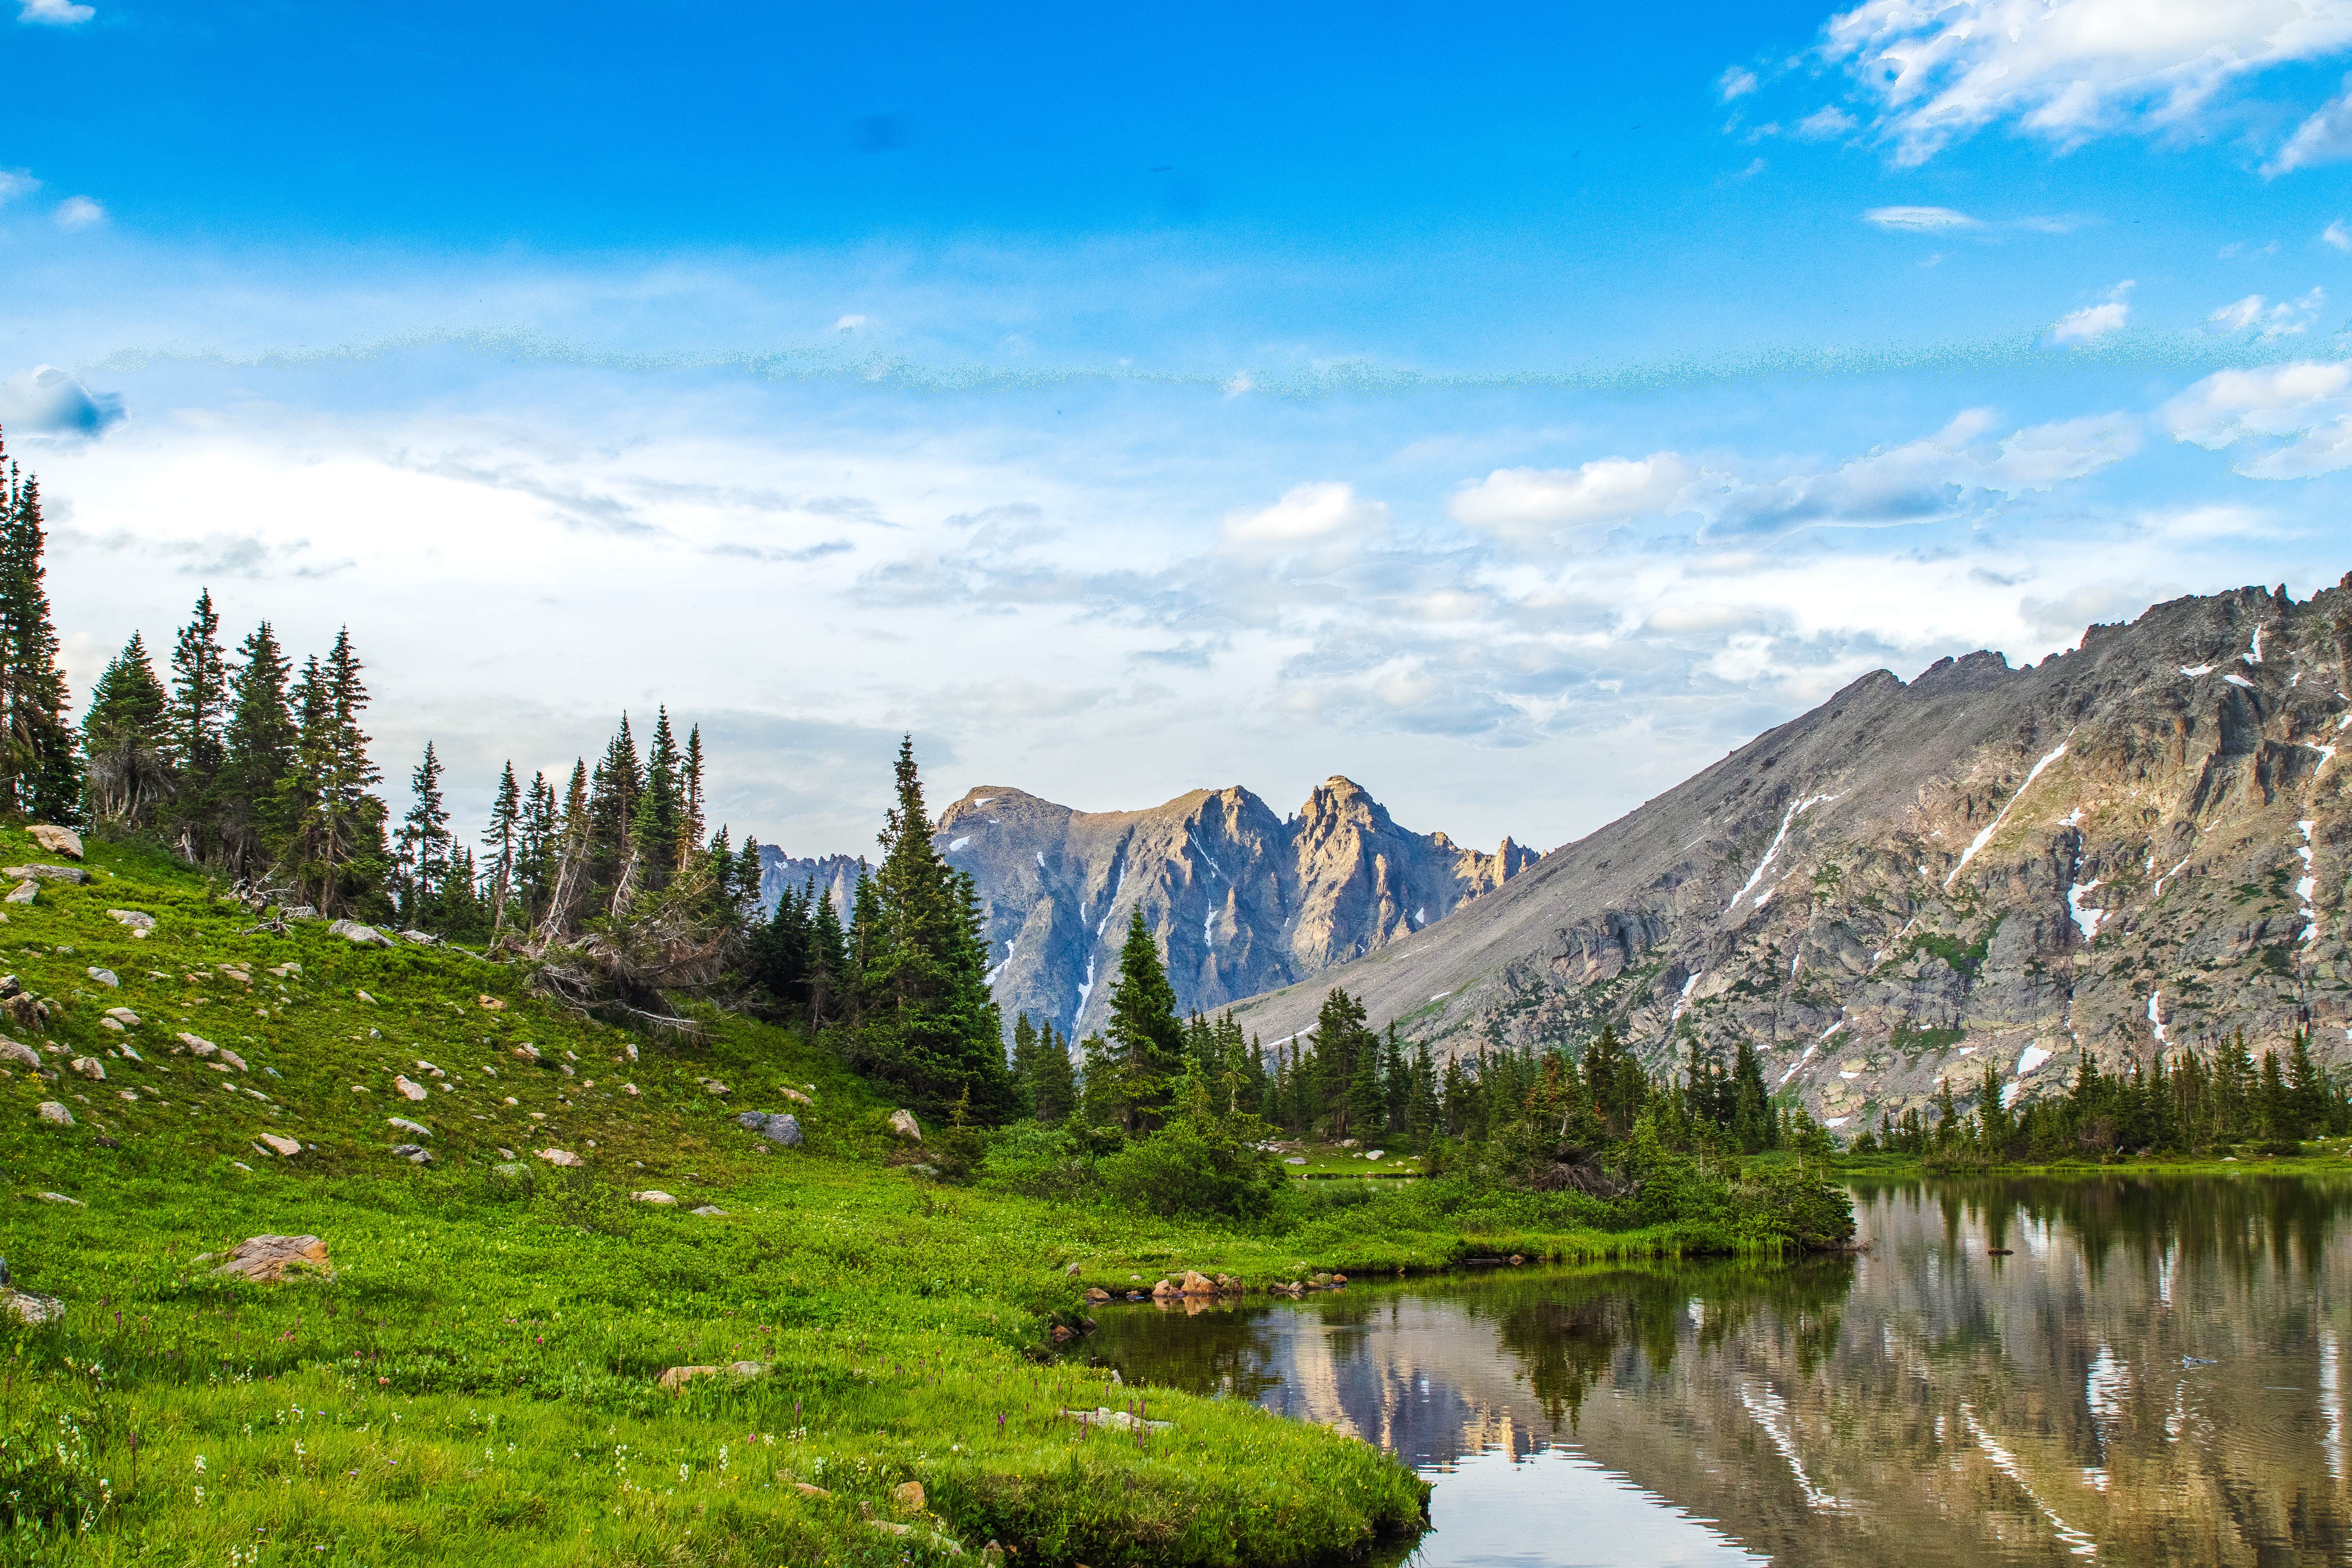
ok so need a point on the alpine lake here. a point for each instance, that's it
(2124, 1370)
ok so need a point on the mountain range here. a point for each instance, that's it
(1241, 899)
(2139, 843)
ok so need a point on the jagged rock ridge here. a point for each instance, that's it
(2139, 844)
(1240, 898)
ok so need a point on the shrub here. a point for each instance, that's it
(1193, 1168)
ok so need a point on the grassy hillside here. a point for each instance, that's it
(479, 1377)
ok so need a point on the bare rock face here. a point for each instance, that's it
(2143, 844)
(1240, 898)
(270, 1259)
(55, 839)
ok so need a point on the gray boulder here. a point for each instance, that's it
(363, 935)
(775, 1126)
(45, 873)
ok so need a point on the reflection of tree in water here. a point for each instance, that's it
(1228, 1350)
(1567, 1332)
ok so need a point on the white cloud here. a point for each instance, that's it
(79, 211)
(2095, 320)
(1938, 71)
(1312, 515)
(848, 323)
(1921, 481)
(2336, 235)
(54, 13)
(1825, 124)
(1523, 504)
(2283, 319)
(46, 401)
(1919, 220)
(2325, 137)
(2295, 419)
(1736, 82)
(15, 182)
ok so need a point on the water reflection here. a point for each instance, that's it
(2153, 1375)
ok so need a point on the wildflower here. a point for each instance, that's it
(200, 1464)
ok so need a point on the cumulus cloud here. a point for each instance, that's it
(54, 13)
(1521, 504)
(15, 182)
(848, 323)
(2294, 420)
(1736, 82)
(2325, 137)
(1936, 72)
(2095, 320)
(2284, 319)
(79, 211)
(1309, 516)
(2338, 236)
(1919, 220)
(46, 401)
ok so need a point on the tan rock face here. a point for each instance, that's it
(268, 1258)
(1240, 898)
(56, 840)
(2143, 844)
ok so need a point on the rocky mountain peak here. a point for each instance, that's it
(2141, 844)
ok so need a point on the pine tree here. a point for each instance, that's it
(1367, 1102)
(1024, 1065)
(1144, 1029)
(198, 717)
(338, 822)
(691, 776)
(658, 816)
(537, 844)
(127, 738)
(257, 757)
(928, 1023)
(499, 839)
(1054, 1088)
(612, 792)
(40, 769)
(422, 851)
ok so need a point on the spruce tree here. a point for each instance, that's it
(657, 821)
(535, 848)
(612, 792)
(198, 718)
(258, 754)
(340, 822)
(40, 768)
(500, 840)
(126, 736)
(1144, 1029)
(929, 1024)
(1053, 1083)
(1024, 1067)
(422, 851)
(691, 776)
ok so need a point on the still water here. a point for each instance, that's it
(2154, 1375)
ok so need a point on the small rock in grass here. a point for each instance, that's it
(28, 1309)
(89, 1068)
(136, 919)
(23, 893)
(678, 1375)
(653, 1197)
(55, 1113)
(527, 1051)
(359, 934)
(270, 1259)
(489, 1004)
(564, 1157)
(364, 998)
(1295, 1159)
(715, 1087)
(202, 1047)
(238, 1165)
(710, 1211)
(22, 1054)
(909, 1496)
(233, 1059)
(57, 840)
(414, 1153)
(124, 1016)
(61, 1198)
(112, 1025)
(104, 977)
(407, 1086)
(284, 1148)
(777, 1127)
(47, 874)
(903, 1124)
(408, 1126)
(630, 1089)
(795, 1096)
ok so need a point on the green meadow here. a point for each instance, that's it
(478, 1381)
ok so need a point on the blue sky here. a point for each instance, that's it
(1513, 409)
